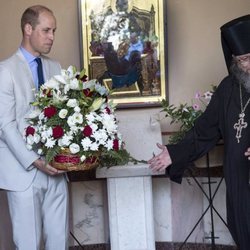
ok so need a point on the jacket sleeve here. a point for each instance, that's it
(200, 139)
(10, 136)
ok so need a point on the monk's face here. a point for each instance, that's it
(243, 62)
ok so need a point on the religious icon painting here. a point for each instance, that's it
(123, 46)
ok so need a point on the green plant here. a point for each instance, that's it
(185, 114)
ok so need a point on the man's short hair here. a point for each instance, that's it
(31, 15)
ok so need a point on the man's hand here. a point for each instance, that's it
(160, 161)
(247, 153)
(46, 168)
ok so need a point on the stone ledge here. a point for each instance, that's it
(133, 170)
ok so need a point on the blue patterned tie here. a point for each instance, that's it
(39, 72)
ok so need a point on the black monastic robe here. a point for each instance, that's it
(217, 122)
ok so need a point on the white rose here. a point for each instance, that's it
(72, 103)
(77, 109)
(40, 151)
(63, 113)
(37, 138)
(71, 121)
(74, 148)
(30, 139)
(77, 118)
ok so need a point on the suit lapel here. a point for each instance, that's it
(23, 65)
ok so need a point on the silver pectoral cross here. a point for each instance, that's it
(239, 126)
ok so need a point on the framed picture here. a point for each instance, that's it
(123, 46)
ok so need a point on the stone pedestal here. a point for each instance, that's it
(130, 206)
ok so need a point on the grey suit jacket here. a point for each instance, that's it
(16, 92)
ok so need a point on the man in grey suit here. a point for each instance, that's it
(37, 193)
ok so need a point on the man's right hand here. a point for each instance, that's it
(47, 168)
(160, 161)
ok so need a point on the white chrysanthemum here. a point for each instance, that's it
(50, 143)
(72, 103)
(91, 117)
(94, 127)
(65, 140)
(47, 133)
(100, 136)
(74, 148)
(109, 123)
(86, 143)
(74, 129)
(109, 145)
(94, 146)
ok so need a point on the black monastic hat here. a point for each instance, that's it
(235, 38)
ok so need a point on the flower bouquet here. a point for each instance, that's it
(73, 125)
(185, 114)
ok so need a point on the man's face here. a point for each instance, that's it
(121, 5)
(243, 62)
(41, 37)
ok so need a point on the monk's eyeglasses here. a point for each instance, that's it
(242, 59)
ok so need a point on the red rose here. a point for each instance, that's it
(87, 131)
(87, 92)
(116, 144)
(108, 110)
(57, 132)
(30, 131)
(49, 111)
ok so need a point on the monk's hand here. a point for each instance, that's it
(160, 161)
(247, 153)
(47, 168)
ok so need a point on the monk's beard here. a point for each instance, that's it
(242, 77)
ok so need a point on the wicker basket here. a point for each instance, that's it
(70, 162)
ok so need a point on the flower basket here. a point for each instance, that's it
(73, 125)
(67, 161)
